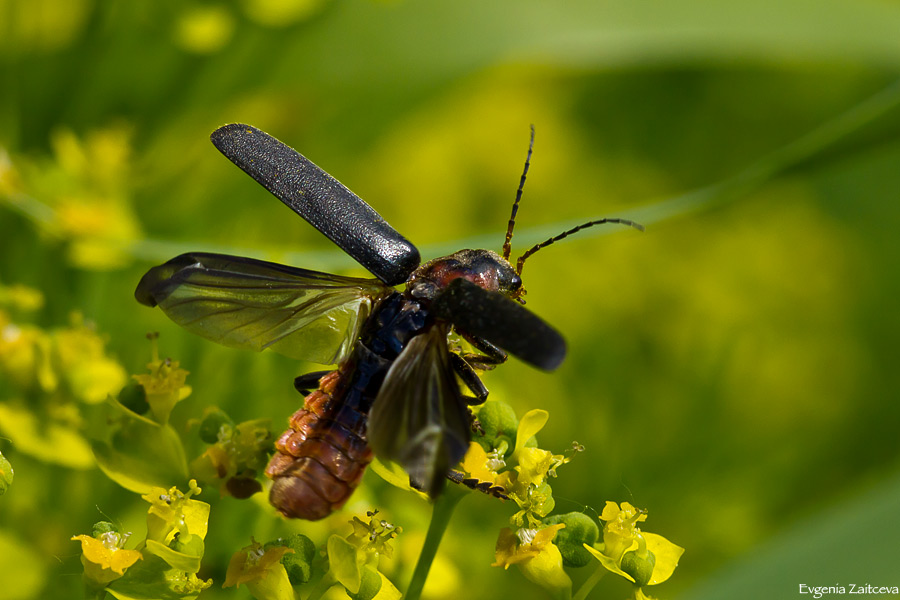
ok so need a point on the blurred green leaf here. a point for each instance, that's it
(853, 541)
(26, 563)
(50, 442)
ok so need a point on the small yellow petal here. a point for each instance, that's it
(475, 463)
(546, 535)
(610, 512)
(608, 563)
(546, 570)
(667, 556)
(114, 559)
(533, 466)
(529, 425)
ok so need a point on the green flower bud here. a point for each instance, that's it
(192, 545)
(6, 474)
(298, 563)
(580, 529)
(101, 527)
(499, 422)
(212, 423)
(640, 567)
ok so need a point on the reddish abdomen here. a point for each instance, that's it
(319, 461)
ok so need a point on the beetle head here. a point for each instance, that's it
(484, 268)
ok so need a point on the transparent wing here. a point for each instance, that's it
(419, 418)
(253, 304)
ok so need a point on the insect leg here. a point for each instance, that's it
(470, 378)
(491, 356)
(485, 487)
(308, 381)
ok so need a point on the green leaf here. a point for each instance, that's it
(274, 586)
(143, 454)
(344, 565)
(177, 560)
(153, 579)
(853, 539)
(49, 442)
(28, 566)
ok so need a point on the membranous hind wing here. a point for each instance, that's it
(419, 418)
(501, 321)
(253, 304)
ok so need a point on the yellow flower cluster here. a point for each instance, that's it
(541, 545)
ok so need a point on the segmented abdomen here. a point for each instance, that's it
(321, 458)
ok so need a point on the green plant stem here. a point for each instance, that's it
(94, 593)
(589, 583)
(322, 586)
(443, 509)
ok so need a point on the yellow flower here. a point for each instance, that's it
(24, 356)
(534, 463)
(94, 213)
(90, 374)
(103, 559)
(173, 513)
(642, 558)
(509, 551)
(477, 464)
(21, 297)
(536, 556)
(261, 571)
(619, 530)
(373, 538)
(164, 386)
(204, 29)
(252, 562)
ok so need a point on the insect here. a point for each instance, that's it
(395, 390)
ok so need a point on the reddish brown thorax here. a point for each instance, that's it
(484, 268)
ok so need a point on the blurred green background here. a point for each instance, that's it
(732, 369)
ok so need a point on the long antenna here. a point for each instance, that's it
(521, 262)
(515, 207)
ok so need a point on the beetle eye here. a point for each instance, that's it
(515, 283)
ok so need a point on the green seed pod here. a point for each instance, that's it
(499, 422)
(639, 567)
(369, 586)
(6, 474)
(580, 529)
(101, 527)
(192, 545)
(298, 563)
